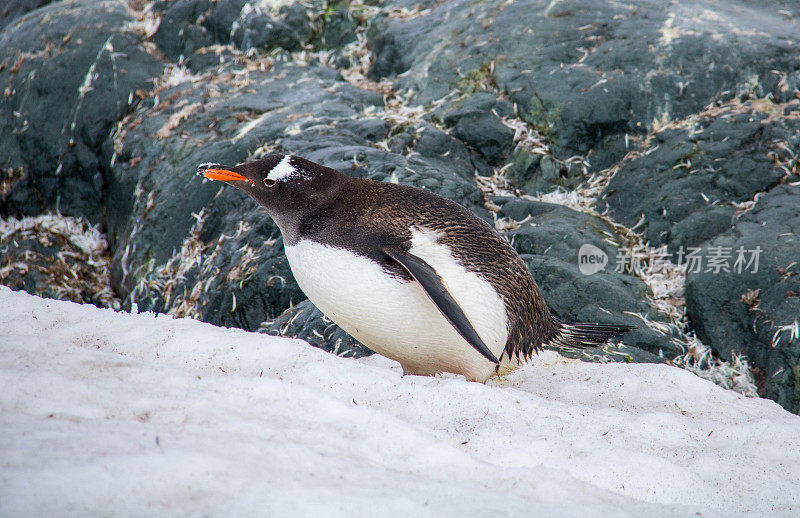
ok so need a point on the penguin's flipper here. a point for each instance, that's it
(434, 286)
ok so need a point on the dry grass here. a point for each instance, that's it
(793, 330)
(77, 270)
(195, 262)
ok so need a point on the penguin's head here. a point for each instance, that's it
(287, 186)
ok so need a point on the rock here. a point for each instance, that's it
(754, 309)
(337, 25)
(189, 26)
(687, 177)
(220, 21)
(262, 32)
(306, 322)
(584, 73)
(557, 231)
(10, 10)
(532, 172)
(698, 227)
(210, 59)
(179, 33)
(605, 297)
(550, 240)
(70, 70)
(442, 150)
(475, 120)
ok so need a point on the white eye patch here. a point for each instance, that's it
(283, 170)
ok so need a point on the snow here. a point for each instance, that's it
(122, 414)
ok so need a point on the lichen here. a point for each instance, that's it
(480, 79)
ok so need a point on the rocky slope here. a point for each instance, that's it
(651, 132)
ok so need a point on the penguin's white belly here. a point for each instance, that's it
(396, 318)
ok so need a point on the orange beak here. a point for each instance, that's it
(223, 175)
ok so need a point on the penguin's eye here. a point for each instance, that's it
(269, 183)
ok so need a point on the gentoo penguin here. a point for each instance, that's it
(413, 276)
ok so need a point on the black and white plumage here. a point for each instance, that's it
(413, 276)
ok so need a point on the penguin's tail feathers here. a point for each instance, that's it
(585, 334)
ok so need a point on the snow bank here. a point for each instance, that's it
(119, 414)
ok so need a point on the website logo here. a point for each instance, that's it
(591, 259)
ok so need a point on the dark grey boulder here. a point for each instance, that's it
(444, 150)
(69, 71)
(220, 21)
(605, 297)
(701, 226)
(475, 120)
(306, 322)
(533, 173)
(755, 310)
(10, 10)
(260, 31)
(586, 73)
(550, 241)
(189, 27)
(557, 231)
(685, 180)
(178, 31)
